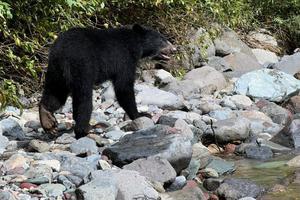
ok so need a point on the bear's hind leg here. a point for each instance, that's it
(82, 108)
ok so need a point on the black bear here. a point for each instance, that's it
(81, 58)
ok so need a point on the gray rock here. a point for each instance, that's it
(84, 145)
(193, 169)
(221, 166)
(114, 135)
(162, 77)
(219, 64)
(241, 101)
(229, 42)
(206, 77)
(153, 96)
(65, 138)
(33, 124)
(272, 85)
(265, 57)
(99, 189)
(240, 64)
(3, 143)
(138, 124)
(154, 168)
(39, 174)
(166, 120)
(289, 64)
(184, 129)
(234, 189)
(189, 117)
(258, 152)
(276, 148)
(278, 114)
(186, 88)
(6, 195)
(39, 145)
(222, 114)
(53, 190)
(233, 129)
(130, 184)
(65, 181)
(294, 162)
(12, 129)
(194, 193)
(159, 140)
(263, 39)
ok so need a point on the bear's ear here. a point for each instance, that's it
(138, 28)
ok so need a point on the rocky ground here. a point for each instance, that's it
(229, 129)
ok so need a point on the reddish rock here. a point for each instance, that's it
(294, 104)
(26, 185)
(213, 197)
(229, 148)
(190, 184)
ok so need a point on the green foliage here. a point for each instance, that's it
(9, 94)
(27, 27)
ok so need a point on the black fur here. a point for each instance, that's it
(81, 58)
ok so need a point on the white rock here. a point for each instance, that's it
(264, 56)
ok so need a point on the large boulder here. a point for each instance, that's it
(241, 63)
(162, 141)
(206, 77)
(264, 56)
(269, 84)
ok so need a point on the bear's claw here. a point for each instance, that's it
(48, 121)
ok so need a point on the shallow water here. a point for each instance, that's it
(268, 174)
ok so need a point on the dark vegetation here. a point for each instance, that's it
(27, 27)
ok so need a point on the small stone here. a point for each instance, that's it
(16, 164)
(84, 145)
(211, 184)
(184, 129)
(178, 183)
(104, 165)
(39, 146)
(54, 164)
(65, 138)
(209, 173)
(27, 186)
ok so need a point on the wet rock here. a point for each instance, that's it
(3, 143)
(159, 140)
(233, 129)
(241, 63)
(185, 194)
(130, 184)
(258, 152)
(211, 184)
(206, 76)
(154, 168)
(221, 166)
(265, 57)
(12, 129)
(84, 145)
(53, 190)
(273, 146)
(234, 189)
(229, 42)
(114, 135)
(178, 183)
(138, 124)
(152, 96)
(39, 145)
(289, 64)
(272, 85)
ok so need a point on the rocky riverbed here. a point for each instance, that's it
(229, 129)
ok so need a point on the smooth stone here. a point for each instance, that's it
(114, 135)
(290, 64)
(65, 138)
(16, 164)
(138, 124)
(179, 183)
(295, 162)
(265, 56)
(39, 146)
(154, 168)
(84, 145)
(259, 152)
(211, 184)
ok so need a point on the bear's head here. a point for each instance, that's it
(154, 44)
